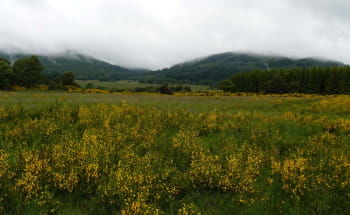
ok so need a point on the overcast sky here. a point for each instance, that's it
(160, 33)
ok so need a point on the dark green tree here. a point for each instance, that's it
(6, 75)
(226, 86)
(187, 89)
(276, 85)
(89, 85)
(28, 71)
(68, 79)
(165, 89)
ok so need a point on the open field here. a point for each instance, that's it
(72, 153)
(130, 85)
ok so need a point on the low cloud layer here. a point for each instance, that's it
(158, 33)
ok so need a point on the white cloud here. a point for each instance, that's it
(158, 33)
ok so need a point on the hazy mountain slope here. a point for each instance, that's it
(208, 70)
(84, 68)
(222, 66)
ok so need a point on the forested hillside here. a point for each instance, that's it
(83, 67)
(27, 73)
(209, 71)
(212, 69)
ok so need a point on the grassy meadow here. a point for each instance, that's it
(76, 153)
(131, 85)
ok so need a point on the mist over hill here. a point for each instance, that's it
(83, 67)
(206, 70)
(214, 68)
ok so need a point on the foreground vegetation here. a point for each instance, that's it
(66, 153)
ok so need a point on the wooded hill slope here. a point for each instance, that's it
(208, 70)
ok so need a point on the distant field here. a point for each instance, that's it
(189, 103)
(129, 85)
(84, 153)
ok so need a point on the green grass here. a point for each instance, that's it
(130, 85)
(190, 103)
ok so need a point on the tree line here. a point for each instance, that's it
(28, 72)
(316, 80)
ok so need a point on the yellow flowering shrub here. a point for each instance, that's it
(29, 183)
(241, 173)
(5, 175)
(142, 159)
(205, 170)
(188, 209)
(293, 174)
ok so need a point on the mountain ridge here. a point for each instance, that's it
(84, 67)
(214, 68)
(204, 70)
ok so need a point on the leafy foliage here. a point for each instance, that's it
(27, 72)
(6, 75)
